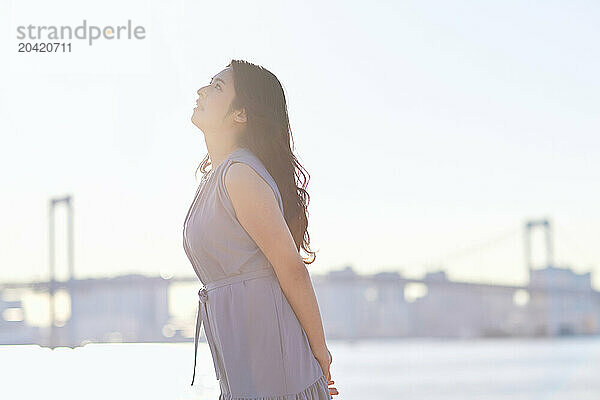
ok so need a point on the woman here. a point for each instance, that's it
(243, 234)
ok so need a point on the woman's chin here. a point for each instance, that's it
(195, 120)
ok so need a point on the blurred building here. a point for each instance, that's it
(564, 303)
(129, 308)
(558, 301)
(13, 328)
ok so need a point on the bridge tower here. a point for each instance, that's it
(68, 201)
(529, 226)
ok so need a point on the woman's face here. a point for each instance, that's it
(213, 103)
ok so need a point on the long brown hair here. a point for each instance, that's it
(269, 136)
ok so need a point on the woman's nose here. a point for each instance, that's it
(201, 90)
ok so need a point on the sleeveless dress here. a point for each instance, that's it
(259, 349)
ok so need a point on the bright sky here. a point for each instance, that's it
(429, 128)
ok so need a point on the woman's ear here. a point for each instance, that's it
(240, 116)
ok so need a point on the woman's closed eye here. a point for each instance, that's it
(218, 85)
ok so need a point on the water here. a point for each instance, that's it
(423, 369)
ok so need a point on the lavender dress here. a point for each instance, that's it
(259, 349)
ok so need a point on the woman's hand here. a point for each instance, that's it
(325, 359)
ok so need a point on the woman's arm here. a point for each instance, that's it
(257, 209)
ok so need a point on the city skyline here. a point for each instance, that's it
(135, 308)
